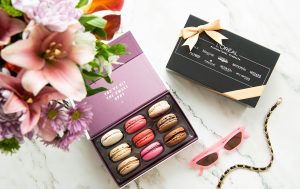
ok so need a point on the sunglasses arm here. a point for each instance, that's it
(245, 134)
(201, 171)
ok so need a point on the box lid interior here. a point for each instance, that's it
(135, 83)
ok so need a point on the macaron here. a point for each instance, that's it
(167, 122)
(120, 152)
(158, 109)
(152, 151)
(128, 165)
(134, 124)
(175, 136)
(143, 138)
(111, 137)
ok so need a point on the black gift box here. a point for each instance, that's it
(238, 69)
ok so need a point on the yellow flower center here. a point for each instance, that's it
(54, 52)
(52, 114)
(29, 100)
(76, 115)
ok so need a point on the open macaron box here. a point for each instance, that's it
(135, 88)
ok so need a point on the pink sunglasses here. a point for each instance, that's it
(209, 157)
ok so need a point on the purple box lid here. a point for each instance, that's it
(134, 84)
(132, 48)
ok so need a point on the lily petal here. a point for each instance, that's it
(112, 25)
(66, 78)
(33, 81)
(98, 5)
(82, 55)
(9, 27)
(84, 49)
(22, 53)
(4, 18)
(47, 94)
(64, 38)
(47, 133)
(37, 33)
(11, 83)
(16, 26)
(32, 116)
(14, 104)
(4, 40)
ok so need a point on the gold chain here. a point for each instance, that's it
(256, 169)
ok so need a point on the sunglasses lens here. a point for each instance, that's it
(208, 160)
(234, 141)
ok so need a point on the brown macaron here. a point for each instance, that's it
(175, 136)
(167, 122)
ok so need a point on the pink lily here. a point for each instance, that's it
(9, 27)
(52, 57)
(21, 100)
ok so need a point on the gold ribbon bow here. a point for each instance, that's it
(191, 34)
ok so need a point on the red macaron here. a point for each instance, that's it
(134, 124)
(143, 138)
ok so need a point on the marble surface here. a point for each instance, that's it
(156, 24)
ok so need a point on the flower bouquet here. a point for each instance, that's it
(50, 51)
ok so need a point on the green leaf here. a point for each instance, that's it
(92, 92)
(100, 32)
(102, 50)
(103, 53)
(92, 22)
(85, 18)
(118, 49)
(90, 75)
(108, 79)
(97, 22)
(94, 65)
(88, 28)
(6, 5)
(81, 3)
(9, 145)
(87, 86)
(100, 44)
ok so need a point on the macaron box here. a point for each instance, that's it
(137, 123)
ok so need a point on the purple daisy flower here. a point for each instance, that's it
(77, 121)
(54, 115)
(79, 117)
(9, 123)
(65, 141)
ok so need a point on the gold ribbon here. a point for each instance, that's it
(242, 94)
(245, 93)
(191, 34)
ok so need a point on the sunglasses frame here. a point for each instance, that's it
(216, 149)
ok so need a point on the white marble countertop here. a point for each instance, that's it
(156, 24)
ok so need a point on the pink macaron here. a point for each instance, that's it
(134, 124)
(152, 151)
